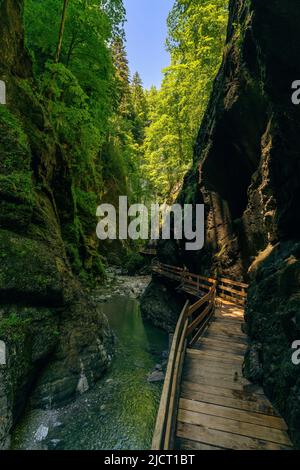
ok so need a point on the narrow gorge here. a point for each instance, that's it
(70, 140)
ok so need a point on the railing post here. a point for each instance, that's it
(217, 289)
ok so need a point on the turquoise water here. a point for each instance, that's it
(120, 412)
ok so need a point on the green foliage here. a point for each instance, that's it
(134, 262)
(16, 188)
(195, 42)
(115, 137)
(89, 99)
(13, 144)
(13, 327)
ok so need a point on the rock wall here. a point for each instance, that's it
(161, 305)
(57, 342)
(249, 169)
(247, 172)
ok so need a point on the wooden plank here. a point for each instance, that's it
(202, 347)
(185, 444)
(223, 344)
(230, 326)
(211, 362)
(229, 316)
(193, 365)
(246, 394)
(233, 330)
(254, 404)
(217, 355)
(232, 313)
(223, 439)
(241, 302)
(235, 414)
(226, 339)
(233, 291)
(229, 320)
(234, 427)
(216, 380)
(237, 348)
(236, 283)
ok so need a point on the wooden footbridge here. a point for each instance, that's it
(206, 402)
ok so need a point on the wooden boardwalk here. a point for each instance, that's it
(206, 402)
(218, 408)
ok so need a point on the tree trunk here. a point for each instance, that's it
(61, 32)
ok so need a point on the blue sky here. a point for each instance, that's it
(146, 32)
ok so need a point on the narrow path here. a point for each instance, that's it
(218, 407)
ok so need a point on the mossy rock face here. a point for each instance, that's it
(29, 271)
(53, 350)
(85, 351)
(51, 339)
(161, 305)
(16, 188)
(30, 336)
(273, 323)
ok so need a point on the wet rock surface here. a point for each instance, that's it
(118, 283)
(161, 305)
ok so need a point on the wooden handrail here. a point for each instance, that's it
(199, 304)
(228, 289)
(167, 407)
(208, 299)
(231, 281)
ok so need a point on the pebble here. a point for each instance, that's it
(41, 433)
(156, 376)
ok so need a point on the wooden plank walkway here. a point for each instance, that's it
(218, 408)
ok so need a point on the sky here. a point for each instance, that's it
(146, 33)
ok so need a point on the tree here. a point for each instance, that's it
(61, 31)
(140, 108)
(195, 42)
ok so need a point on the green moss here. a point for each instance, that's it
(14, 146)
(86, 205)
(134, 262)
(16, 188)
(14, 328)
(28, 270)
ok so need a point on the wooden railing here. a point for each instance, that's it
(148, 252)
(166, 418)
(190, 326)
(233, 291)
(192, 323)
(227, 289)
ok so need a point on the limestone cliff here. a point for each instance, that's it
(247, 172)
(45, 317)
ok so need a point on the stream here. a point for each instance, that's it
(119, 413)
